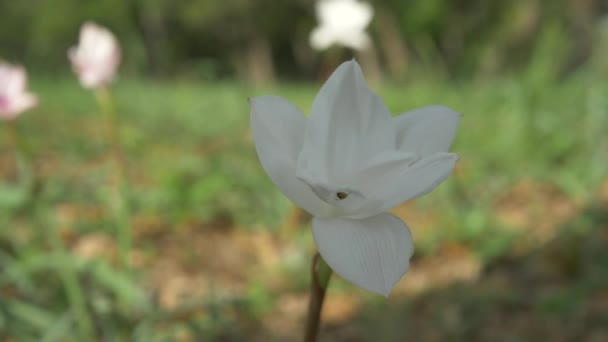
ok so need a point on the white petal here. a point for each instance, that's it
(426, 130)
(361, 199)
(278, 132)
(344, 201)
(18, 81)
(90, 79)
(342, 22)
(348, 124)
(13, 79)
(396, 178)
(23, 102)
(341, 14)
(356, 40)
(13, 84)
(321, 38)
(372, 253)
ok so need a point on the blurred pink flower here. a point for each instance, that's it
(14, 98)
(96, 57)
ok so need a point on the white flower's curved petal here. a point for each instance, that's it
(344, 201)
(355, 197)
(371, 253)
(398, 177)
(278, 131)
(348, 124)
(426, 130)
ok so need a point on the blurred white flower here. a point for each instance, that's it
(341, 22)
(348, 164)
(14, 98)
(96, 57)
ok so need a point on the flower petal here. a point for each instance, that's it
(278, 132)
(343, 23)
(23, 102)
(13, 96)
(348, 124)
(97, 56)
(398, 177)
(17, 82)
(372, 253)
(426, 130)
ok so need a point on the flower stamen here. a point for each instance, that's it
(341, 195)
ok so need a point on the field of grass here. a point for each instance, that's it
(512, 247)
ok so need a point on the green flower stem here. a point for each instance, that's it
(24, 158)
(18, 141)
(104, 99)
(320, 274)
(117, 199)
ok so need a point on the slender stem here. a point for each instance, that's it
(17, 141)
(11, 142)
(118, 199)
(24, 159)
(104, 99)
(320, 274)
(11, 134)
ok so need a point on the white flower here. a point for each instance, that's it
(14, 98)
(341, 22)
(96, 57)
(348, 164)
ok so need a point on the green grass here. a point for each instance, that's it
(191, 163)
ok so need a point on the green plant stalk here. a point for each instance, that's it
(320, 276)
(118, 199)
(23, 154)
(15, 140)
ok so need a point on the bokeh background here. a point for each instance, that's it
(512, 247)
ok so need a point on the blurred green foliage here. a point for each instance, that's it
(528, 75)
(192, 164)
(220, 39)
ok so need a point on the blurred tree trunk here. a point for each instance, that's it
(304, 55)
(512, 37)
(148, 16)
(257, 65)
(583, 12)
(392, 43)
(368, 59)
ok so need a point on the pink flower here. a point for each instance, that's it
(96, 57)
(14, 98)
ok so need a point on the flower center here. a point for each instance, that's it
(341, 195)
